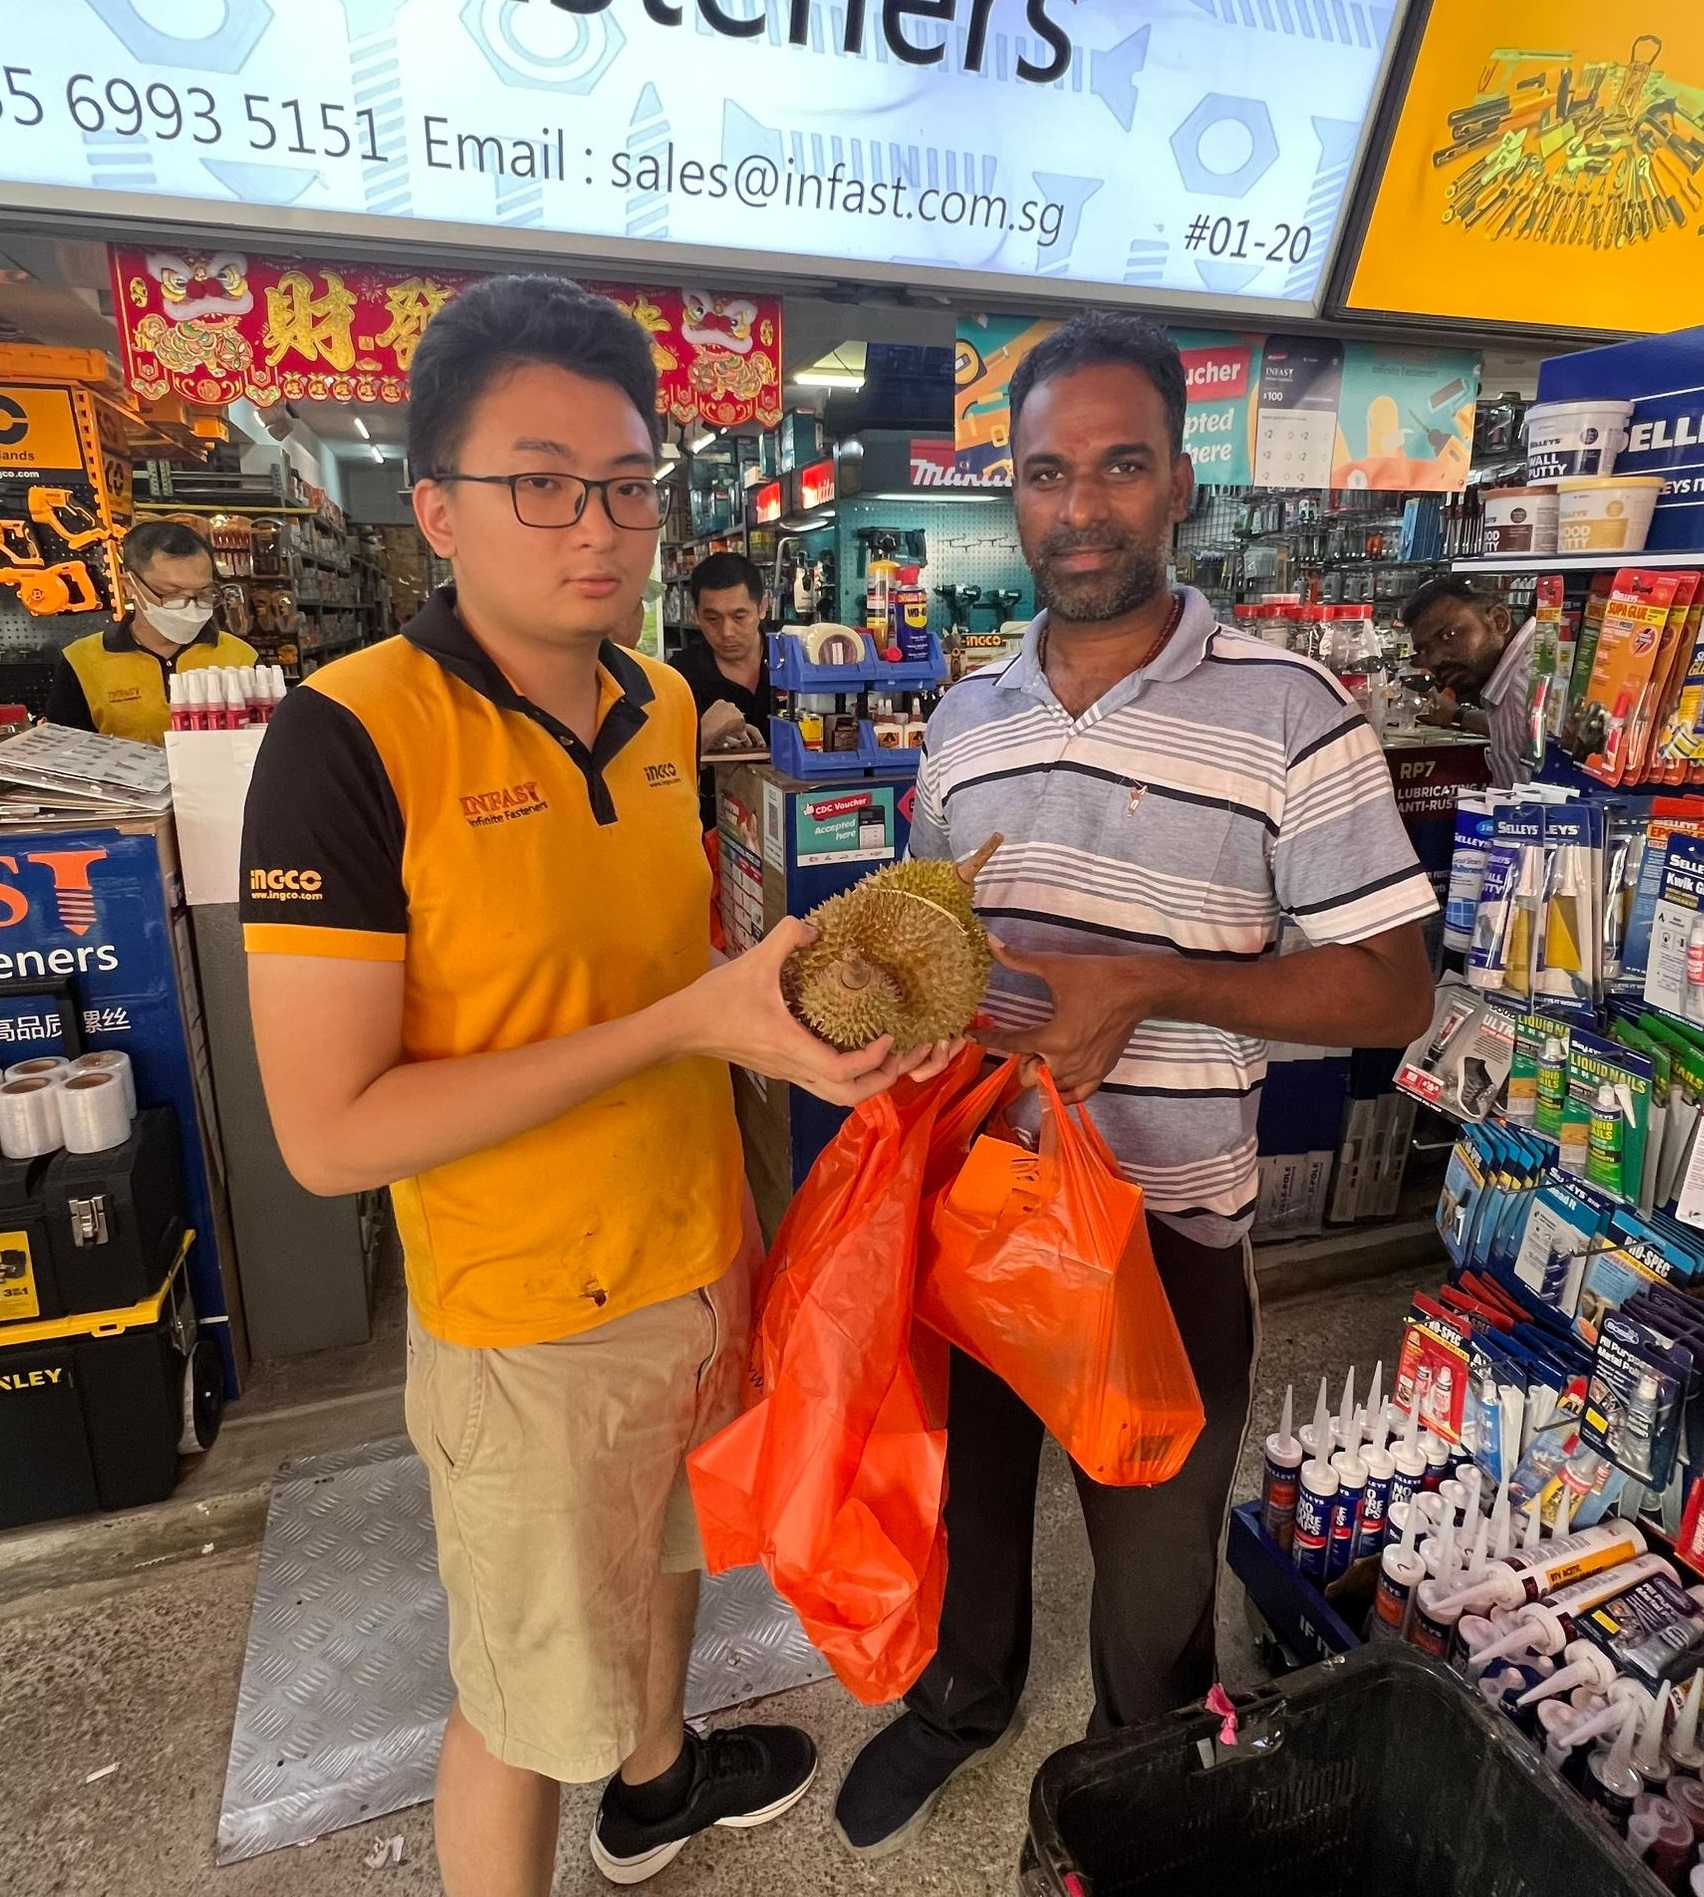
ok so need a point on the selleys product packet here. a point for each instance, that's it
(1674, 973)
(1474, 826)
(1460, 1063)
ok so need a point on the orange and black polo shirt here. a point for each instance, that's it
(109, 683)
(409, 805)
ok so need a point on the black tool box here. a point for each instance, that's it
(96, 1407)
(88, 1232)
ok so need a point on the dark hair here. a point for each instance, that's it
(1101, 336)
(1446, 586)
(500, 323)
(722, 570)
(151, 540)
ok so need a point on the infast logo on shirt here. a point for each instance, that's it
(661, 774)
(486, 807)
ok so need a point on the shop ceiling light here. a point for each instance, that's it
(829, 379)
(699, 443)
(377, 453)
(361, 429)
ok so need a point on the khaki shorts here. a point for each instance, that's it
(559, 1494)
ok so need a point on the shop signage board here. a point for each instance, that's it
(1173, 147)
(1263, 411)
(100, 909)
(1545, 170)
(213, 326)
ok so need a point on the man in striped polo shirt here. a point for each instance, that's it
(1167, 790)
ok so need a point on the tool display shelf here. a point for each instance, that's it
(791, 671)
(788, 754)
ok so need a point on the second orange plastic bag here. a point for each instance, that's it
(1039, 1266)
(834, 1478)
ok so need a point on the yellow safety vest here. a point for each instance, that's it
(125, 684)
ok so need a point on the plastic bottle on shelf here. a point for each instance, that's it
(1352, 650)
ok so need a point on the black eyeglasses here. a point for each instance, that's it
(633, 501)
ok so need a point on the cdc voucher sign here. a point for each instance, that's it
(1181, 145)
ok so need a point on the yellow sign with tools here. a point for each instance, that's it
(1547, 170)
(38, 429)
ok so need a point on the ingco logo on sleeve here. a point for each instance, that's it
(486, 807)
(284, 885)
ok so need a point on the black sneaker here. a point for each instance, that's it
(742, 1777)
(893, 1784)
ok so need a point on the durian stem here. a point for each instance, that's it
(854, 972)
(973, 866)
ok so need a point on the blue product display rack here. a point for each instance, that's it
(1306, 1624)
(791, 671)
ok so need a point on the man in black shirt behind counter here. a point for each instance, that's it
(727, 663)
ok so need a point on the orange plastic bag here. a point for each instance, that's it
(1039, 1266)
(835, 1478)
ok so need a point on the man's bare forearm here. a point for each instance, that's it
(1337, 996)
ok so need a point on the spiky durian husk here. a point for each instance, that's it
(913, 924)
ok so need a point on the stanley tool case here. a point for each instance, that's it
(96, 1408)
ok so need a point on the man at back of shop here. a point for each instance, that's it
(1167, 791)
(727, 663)
(1470, 643)
(487, 985)
(117, 682)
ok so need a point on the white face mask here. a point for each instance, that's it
(180, 624)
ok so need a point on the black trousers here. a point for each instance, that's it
(1156, 1550)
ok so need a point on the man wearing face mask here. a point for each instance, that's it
(117, 682)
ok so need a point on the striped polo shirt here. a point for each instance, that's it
(1205, 796)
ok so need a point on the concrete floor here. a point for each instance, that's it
(130, 1655)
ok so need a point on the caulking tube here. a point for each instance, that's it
(1683, 1749)
(1281, 1477)
(1318, 1432)
(1473, 1631)
(1612, 1781)
(1534, 1532)
(1400, 1572)
(1648, 1759)
(1588, 1665)
(1687, 1797)
(1556, 1722)
(1410, 1462)
(1347, 1435)
(1663, 1837)
(1438, 1457)
(1345, 1517)
(1311, 1544)
(1475, 1568)
(1381, 1472)
(1547, 1626)
(1431, 1625)
(1498, 1687)
(1528, 1575)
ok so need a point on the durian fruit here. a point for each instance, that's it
(901, 953)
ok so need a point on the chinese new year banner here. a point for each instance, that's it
(212, 326)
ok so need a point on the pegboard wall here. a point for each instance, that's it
(23, 634)
(971, 543)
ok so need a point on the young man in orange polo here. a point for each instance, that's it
(488, 987)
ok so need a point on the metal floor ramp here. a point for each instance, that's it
(346, 1683)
